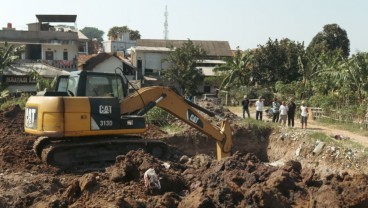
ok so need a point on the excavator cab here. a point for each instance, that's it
(91, 84)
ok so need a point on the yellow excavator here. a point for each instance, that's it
(90, 119)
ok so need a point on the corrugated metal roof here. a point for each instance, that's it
(213, 48)
(155, 49)
(26, 68)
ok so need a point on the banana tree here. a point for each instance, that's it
(326, 76)
(355, 74)
(8, 55)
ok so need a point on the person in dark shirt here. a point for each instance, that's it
(275, 110)
(245, 104)
(291, 112)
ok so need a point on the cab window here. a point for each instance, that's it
(102, 85)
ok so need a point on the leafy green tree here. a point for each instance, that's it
(214, 80)
(182, 67)
(134, 35)
(332, 38)
(278, 61)
(93, 33)
(324, 54)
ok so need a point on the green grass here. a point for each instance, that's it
(348, 126)
(339, 143)
(172, 129)
(321, 137)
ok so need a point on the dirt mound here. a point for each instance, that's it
(238, 181)
(16, 152)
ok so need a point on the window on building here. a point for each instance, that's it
(65, 55)
(148, 71)
(49, 55)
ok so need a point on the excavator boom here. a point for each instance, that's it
(167, 99)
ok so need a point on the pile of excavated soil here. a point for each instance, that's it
(190, 177)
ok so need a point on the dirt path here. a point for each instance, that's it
(316, 126)
(330, 130)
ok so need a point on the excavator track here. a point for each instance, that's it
(39, 144)
(84, 154)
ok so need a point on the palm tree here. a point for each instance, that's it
(117, 32)
(237, 70)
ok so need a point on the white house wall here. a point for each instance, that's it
(107, 46)
(151, 61)
(109, 65)
(58, 51)
(116, 45)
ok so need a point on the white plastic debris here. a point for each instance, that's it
(278, 163)
(318, 148)
(166, 165)
(151, 179)
(297, 152)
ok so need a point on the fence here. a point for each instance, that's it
(316, 113)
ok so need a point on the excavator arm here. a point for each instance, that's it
(146, 98)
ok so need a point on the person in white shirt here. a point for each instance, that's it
(259, 108)
(283, 113)
(304, 115)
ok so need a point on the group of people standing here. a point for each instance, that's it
(280, 111)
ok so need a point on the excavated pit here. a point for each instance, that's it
(190, 177)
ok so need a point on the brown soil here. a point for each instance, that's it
(268, 169)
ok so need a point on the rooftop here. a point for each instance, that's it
(213, 48)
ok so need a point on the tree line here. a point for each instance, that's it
(322, 73)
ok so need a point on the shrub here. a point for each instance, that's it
(159, 117)
(21, 101)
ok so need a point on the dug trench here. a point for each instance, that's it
(268, 168)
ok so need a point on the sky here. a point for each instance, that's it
(243, 23)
